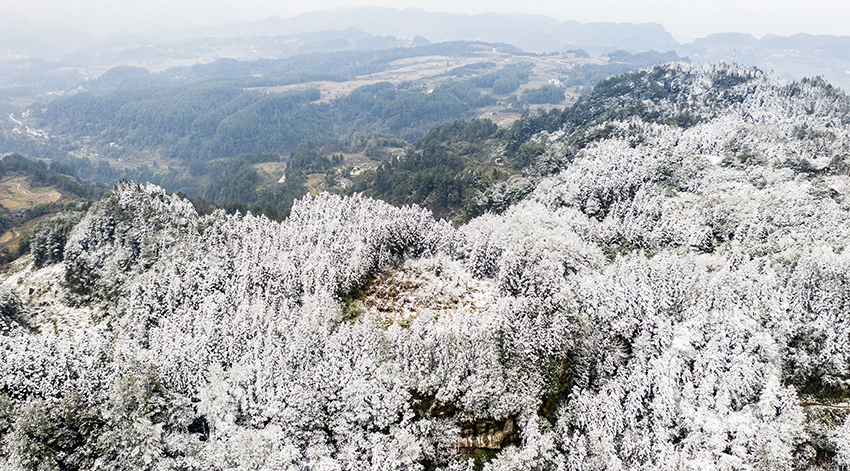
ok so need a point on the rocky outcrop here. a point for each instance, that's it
(488, 434)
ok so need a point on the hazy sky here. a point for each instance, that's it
(684, 19)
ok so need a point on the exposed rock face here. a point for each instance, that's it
(488, 434)
(483, 436)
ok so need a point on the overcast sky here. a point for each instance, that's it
(686, 20)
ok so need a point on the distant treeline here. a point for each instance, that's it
(332, 66)
(207, 120)
(619, 62)
(343, 64)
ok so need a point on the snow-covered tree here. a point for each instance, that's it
(665, 289)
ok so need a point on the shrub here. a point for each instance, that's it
(47, 243)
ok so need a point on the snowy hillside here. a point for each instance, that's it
(668, 289)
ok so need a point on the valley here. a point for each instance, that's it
(329, 242)
(181, 128)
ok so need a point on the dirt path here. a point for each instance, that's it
(54, 196)
(314, 183)
(16, 193)
(9, 236)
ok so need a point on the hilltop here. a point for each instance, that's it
(666, 287)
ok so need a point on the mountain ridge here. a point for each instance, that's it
(437, 27)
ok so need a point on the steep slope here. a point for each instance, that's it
(659, 293)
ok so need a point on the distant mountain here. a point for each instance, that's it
(21, 37)
(362, 28)
(536, 33)
(792, 57)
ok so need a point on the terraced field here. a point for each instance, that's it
(17, 193)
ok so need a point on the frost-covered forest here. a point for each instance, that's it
(666, 289)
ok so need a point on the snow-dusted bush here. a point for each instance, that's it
(47, 242)
(124, 234)
(14, 315)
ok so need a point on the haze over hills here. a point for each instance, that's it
(537, 33)
(195, 99)
(793, 57)
(362, 245)
(21, 37)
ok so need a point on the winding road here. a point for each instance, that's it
(53, 196)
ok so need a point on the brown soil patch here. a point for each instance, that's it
(11, 237)
(269, 167)
(314, 183)
(270, 172)
(414, 69)
(17, 193)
